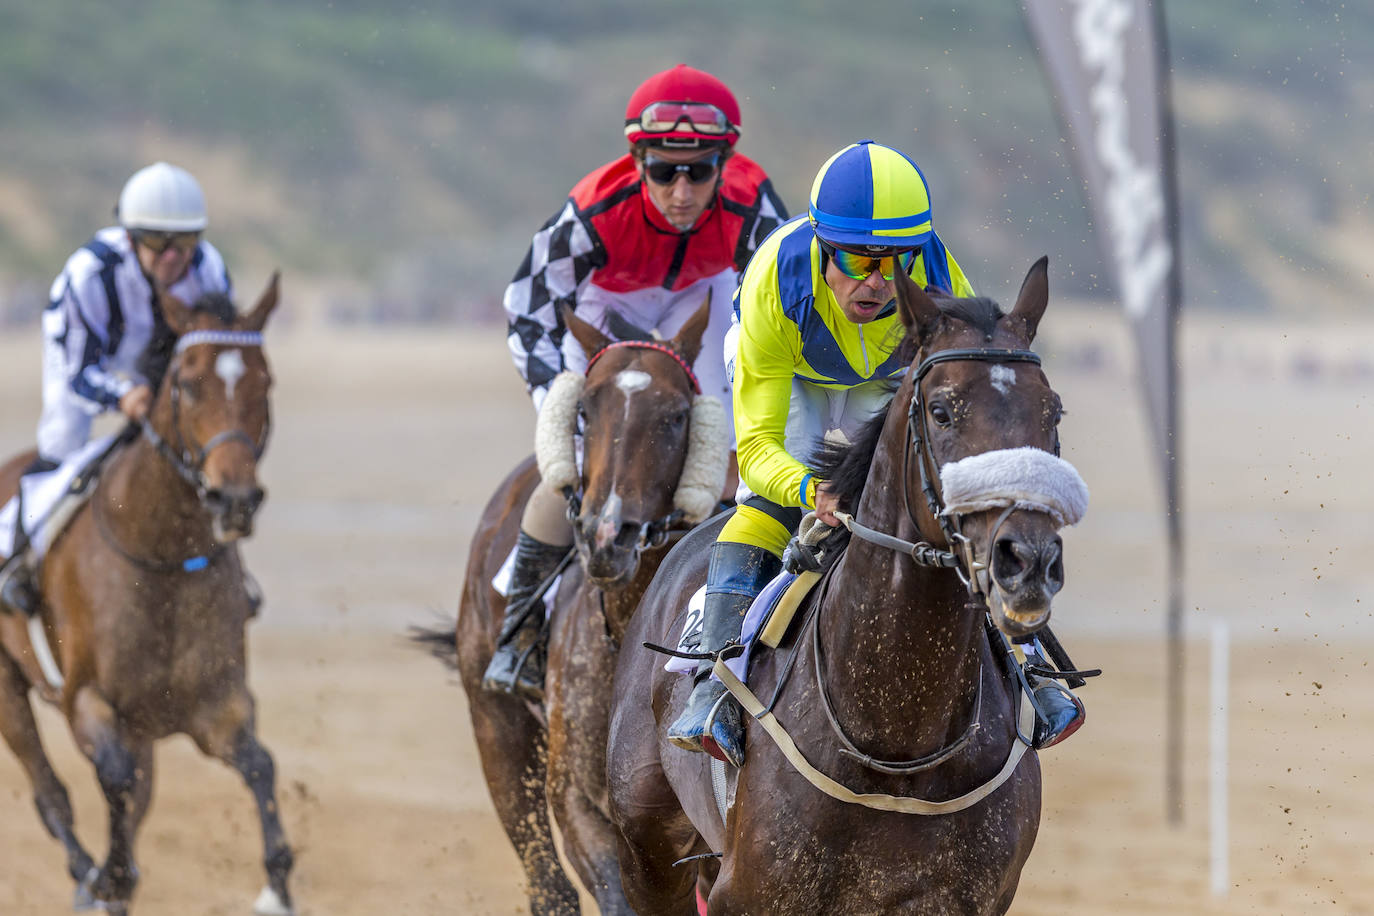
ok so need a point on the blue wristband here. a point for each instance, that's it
(805, 480)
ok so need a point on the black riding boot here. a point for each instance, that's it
(518, 663)
(1063, 712)
(712, 721)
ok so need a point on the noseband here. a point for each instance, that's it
(188, 459)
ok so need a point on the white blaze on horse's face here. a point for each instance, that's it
(229, 367)
(629, 381)
(1003, 378)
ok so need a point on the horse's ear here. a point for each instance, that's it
(257, 319)
(586, 334)
(177, 313)
(919, 311)
(1034, 296)
(687, 342)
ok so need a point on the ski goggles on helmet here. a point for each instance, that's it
(158, 241)
(699, 171)
(859, 266)
(666, 117)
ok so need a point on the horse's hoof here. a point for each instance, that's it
(269, 903)
(83, 901)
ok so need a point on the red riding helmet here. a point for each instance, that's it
(682, 107)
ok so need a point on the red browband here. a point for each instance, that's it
(648, 345)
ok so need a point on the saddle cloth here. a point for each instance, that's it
(41, 493)
(779, 599)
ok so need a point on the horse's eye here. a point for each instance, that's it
(678, 420)
(941, 415)
(190, 387)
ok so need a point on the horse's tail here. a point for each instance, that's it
(440, 640)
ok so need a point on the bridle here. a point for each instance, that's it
(960, 546)
(655, 532)
(960, 555)
(187, 458)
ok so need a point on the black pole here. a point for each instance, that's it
(1173, 779)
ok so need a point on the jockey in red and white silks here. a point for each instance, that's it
(611, 247)
(650, 236)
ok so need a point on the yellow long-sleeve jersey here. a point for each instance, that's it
(790, 326)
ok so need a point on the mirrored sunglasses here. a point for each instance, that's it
(661, 171)
(158, 241)
(860, 266)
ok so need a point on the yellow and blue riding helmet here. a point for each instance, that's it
(871, 197)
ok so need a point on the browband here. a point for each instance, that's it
(647, 345)
(982, 354)
(225, 338)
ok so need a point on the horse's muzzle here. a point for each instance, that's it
(609, 548)
(1027, 572)
(232, 509)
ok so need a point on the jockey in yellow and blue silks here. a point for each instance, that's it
(814, 359)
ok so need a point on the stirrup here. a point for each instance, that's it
(1059, 713)
(691, 725)
(517, 666)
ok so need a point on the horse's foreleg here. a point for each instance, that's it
(653, 834)
(589, 841)
(20, 731)
(124, 768)
(513, 747)
(229, 734)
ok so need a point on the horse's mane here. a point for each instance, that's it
(845, 467)
(220, 306)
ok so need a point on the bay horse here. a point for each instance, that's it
(900, 704)
(655, 454)
(145, 603)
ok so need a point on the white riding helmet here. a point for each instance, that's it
(162, 196)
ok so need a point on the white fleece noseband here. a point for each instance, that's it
(1026, 478)
(703, 471)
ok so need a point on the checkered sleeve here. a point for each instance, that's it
(560, 259)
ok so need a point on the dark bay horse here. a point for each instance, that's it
(889, 684)
(145, 603)
(649, 440)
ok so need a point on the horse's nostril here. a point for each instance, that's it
(1012, 558)
(1054, 567)
(628, 536)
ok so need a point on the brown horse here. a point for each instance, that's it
(891, 688)
(145, 603)
(645, 432)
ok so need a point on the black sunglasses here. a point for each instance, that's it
(661, 171)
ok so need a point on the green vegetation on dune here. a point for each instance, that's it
(405, 152)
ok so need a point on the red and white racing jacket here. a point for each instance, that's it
(609, 246)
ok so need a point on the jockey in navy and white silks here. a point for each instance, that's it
(100, 321)
(649, 236)
(105, 347)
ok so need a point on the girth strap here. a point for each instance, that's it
(878, 801)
